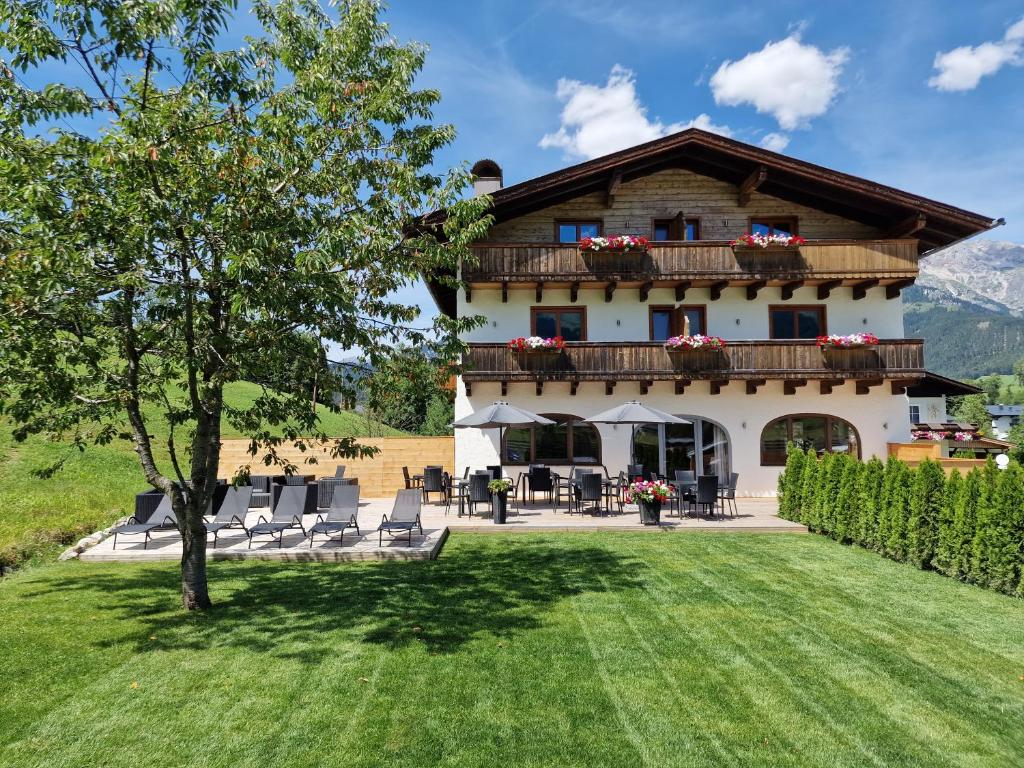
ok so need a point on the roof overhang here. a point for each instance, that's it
(934, 385)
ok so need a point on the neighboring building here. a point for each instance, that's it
(1004, 418)
(693, 193)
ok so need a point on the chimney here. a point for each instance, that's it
(486, 177)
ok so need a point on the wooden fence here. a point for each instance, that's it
(914, 453)
(379, 476)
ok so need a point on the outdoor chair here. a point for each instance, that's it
(287, 515)
(564, 483)
(590, 489)
(231, 512)
(405, 515)
(495, 471)
(146, 503)
(478, 493)
(339, 471)
(707, 494)
(294, 480)
(261, 496)
(343, 514)
(686, 486)
(539, 481)
(727, 494)
(635, 470)
(411, 481)
(433, 482)
(162, 518)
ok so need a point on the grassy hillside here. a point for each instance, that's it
(93, 488)
(963, 340)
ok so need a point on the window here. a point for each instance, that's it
(676, 229)
(670, 321)
(915, 414)
(825, 434)
(795, 322)
(773, 226)
(568, 322)
(567, 441)
(701, 447)
(574, 231)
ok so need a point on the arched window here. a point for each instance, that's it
(823, 433)
(568, 441)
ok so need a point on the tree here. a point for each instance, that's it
(790, 484)
(927, 497)
(1007, 541)
(869, 503)
(965, 521)
(992, 386)
(947, 544)
(1018, 372)
(232, 198)
(1016, 436)
(407, 387)
(972, 410)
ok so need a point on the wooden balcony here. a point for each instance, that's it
(898, 361)
(827, 264)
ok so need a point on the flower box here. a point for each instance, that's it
(615, 244)
(762, 243)
(537, 345)
(849, 341)
(695, 343)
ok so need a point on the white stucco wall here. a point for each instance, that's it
(625, 318)
(879, 417)
(933, 409)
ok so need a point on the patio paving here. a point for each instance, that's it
(754, 516)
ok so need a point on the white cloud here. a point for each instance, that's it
(961, 69)
(787, 79)
(598, 119)
(776, 142)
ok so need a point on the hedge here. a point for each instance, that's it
(969, 527)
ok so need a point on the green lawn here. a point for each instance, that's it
(94, 488)
(518, 650)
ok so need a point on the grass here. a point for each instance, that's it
(94, 488)
(604, 649)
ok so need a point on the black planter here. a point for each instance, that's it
(499, 503)
(650, 512)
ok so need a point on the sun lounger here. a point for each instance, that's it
(232, 512)
(161, 519)
(405, 515)
(343, 514)
(287, 515)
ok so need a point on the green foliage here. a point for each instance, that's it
(809, 487)
(408, 389)
(926, 508)
(869, 503)
(790, 485)
(844, 513)
(991, 386)
(895, 509)
(972, 409)
(1018, 372)
(1016, 437)
(985, 537)
(947, 545)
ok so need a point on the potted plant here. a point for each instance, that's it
(532, 345)
(499, 490)
(778, 242)
(649, 496)
(849, 341)
(692, 343)
(615, 244)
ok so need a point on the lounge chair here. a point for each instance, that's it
(287, 515)
(343, 514)
(405, 515)
(162, 518)
(232, 512)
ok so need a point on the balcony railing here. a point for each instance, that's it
(901, 359)
(889, 260)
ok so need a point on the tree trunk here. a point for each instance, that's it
(194, 592)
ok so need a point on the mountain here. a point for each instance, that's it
(968, 306)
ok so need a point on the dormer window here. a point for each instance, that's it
(574, 231)
(785, 225)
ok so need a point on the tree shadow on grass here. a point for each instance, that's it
(292, 610)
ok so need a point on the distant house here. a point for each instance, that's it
(1004, 418)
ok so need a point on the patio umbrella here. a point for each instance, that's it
(499, 415)
(634, 412)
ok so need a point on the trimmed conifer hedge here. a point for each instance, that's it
(969, 527)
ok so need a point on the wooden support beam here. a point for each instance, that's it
(682, 288)
(753, 288)
(895, 289)
(538, 293)
(864, 386)
(504, 388)
(574, 291)
(540, 387)
(645, 290)
(860, 290)
(504, 292)
(753, 385)
(909, 226)
(609, 290)
(573, 386)
(469, 294)
(899, 386)
(645, 387)
(826, 385)
(609, 388)
(790, 386)
(681, 385)
(613, 186)
(716, 385)
(717, 288)
(469, 388)
(750, 184)
(825, 289)
(788, 288)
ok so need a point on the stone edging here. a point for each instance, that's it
(91, 540)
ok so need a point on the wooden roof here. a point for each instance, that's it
(934, 385)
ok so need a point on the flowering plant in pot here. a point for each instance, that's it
(697, 341)
(649, 496)
(499, 490)
(537, 344)
(768, 241)
(849, 341)
(928, 434)
(617, 243)
(963, 437)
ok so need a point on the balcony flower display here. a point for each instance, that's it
(963, 437)
(698, 341)
(615, 243)
(849, 341)
(537, 344)
(649, 495)
(928, 434)
(768, 241)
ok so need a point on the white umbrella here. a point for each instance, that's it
(498, 416)
(634, 412)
